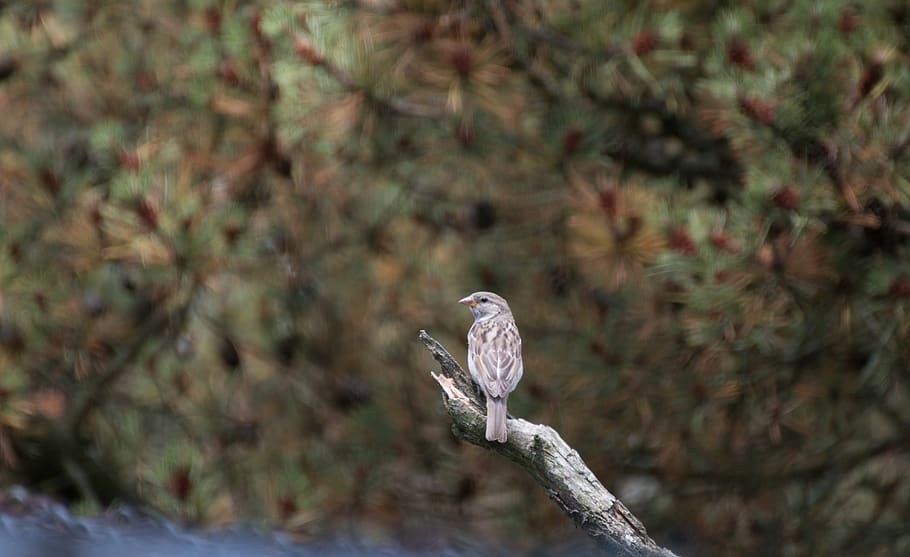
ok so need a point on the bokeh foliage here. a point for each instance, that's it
(224, 222)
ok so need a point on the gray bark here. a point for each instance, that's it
(555, 465)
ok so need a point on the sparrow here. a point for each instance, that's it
(494, 356)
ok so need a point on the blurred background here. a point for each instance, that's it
(222, 225)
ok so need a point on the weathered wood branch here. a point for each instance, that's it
(551, 462)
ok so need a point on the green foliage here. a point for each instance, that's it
(223, 224)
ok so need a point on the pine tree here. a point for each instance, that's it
(223, 224)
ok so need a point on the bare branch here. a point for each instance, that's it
(555, 465)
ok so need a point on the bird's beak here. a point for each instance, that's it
(468, 301)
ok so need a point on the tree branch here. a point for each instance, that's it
(551, 462)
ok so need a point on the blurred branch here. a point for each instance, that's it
(551, 461)
(550, 37)
(707, 156)
(835, 462)
(897, 150)
(98, 389)
(398, 106)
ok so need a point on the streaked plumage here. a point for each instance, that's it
(494, 357)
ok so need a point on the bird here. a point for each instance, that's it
(494, 356)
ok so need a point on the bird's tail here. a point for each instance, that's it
(496, 419)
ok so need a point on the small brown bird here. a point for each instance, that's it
(494, 356)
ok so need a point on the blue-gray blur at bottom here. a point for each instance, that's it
(35, 526)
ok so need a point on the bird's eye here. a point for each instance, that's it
(484, 300)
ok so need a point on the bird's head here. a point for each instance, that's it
(485, 305)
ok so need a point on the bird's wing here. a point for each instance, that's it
(496, 357)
